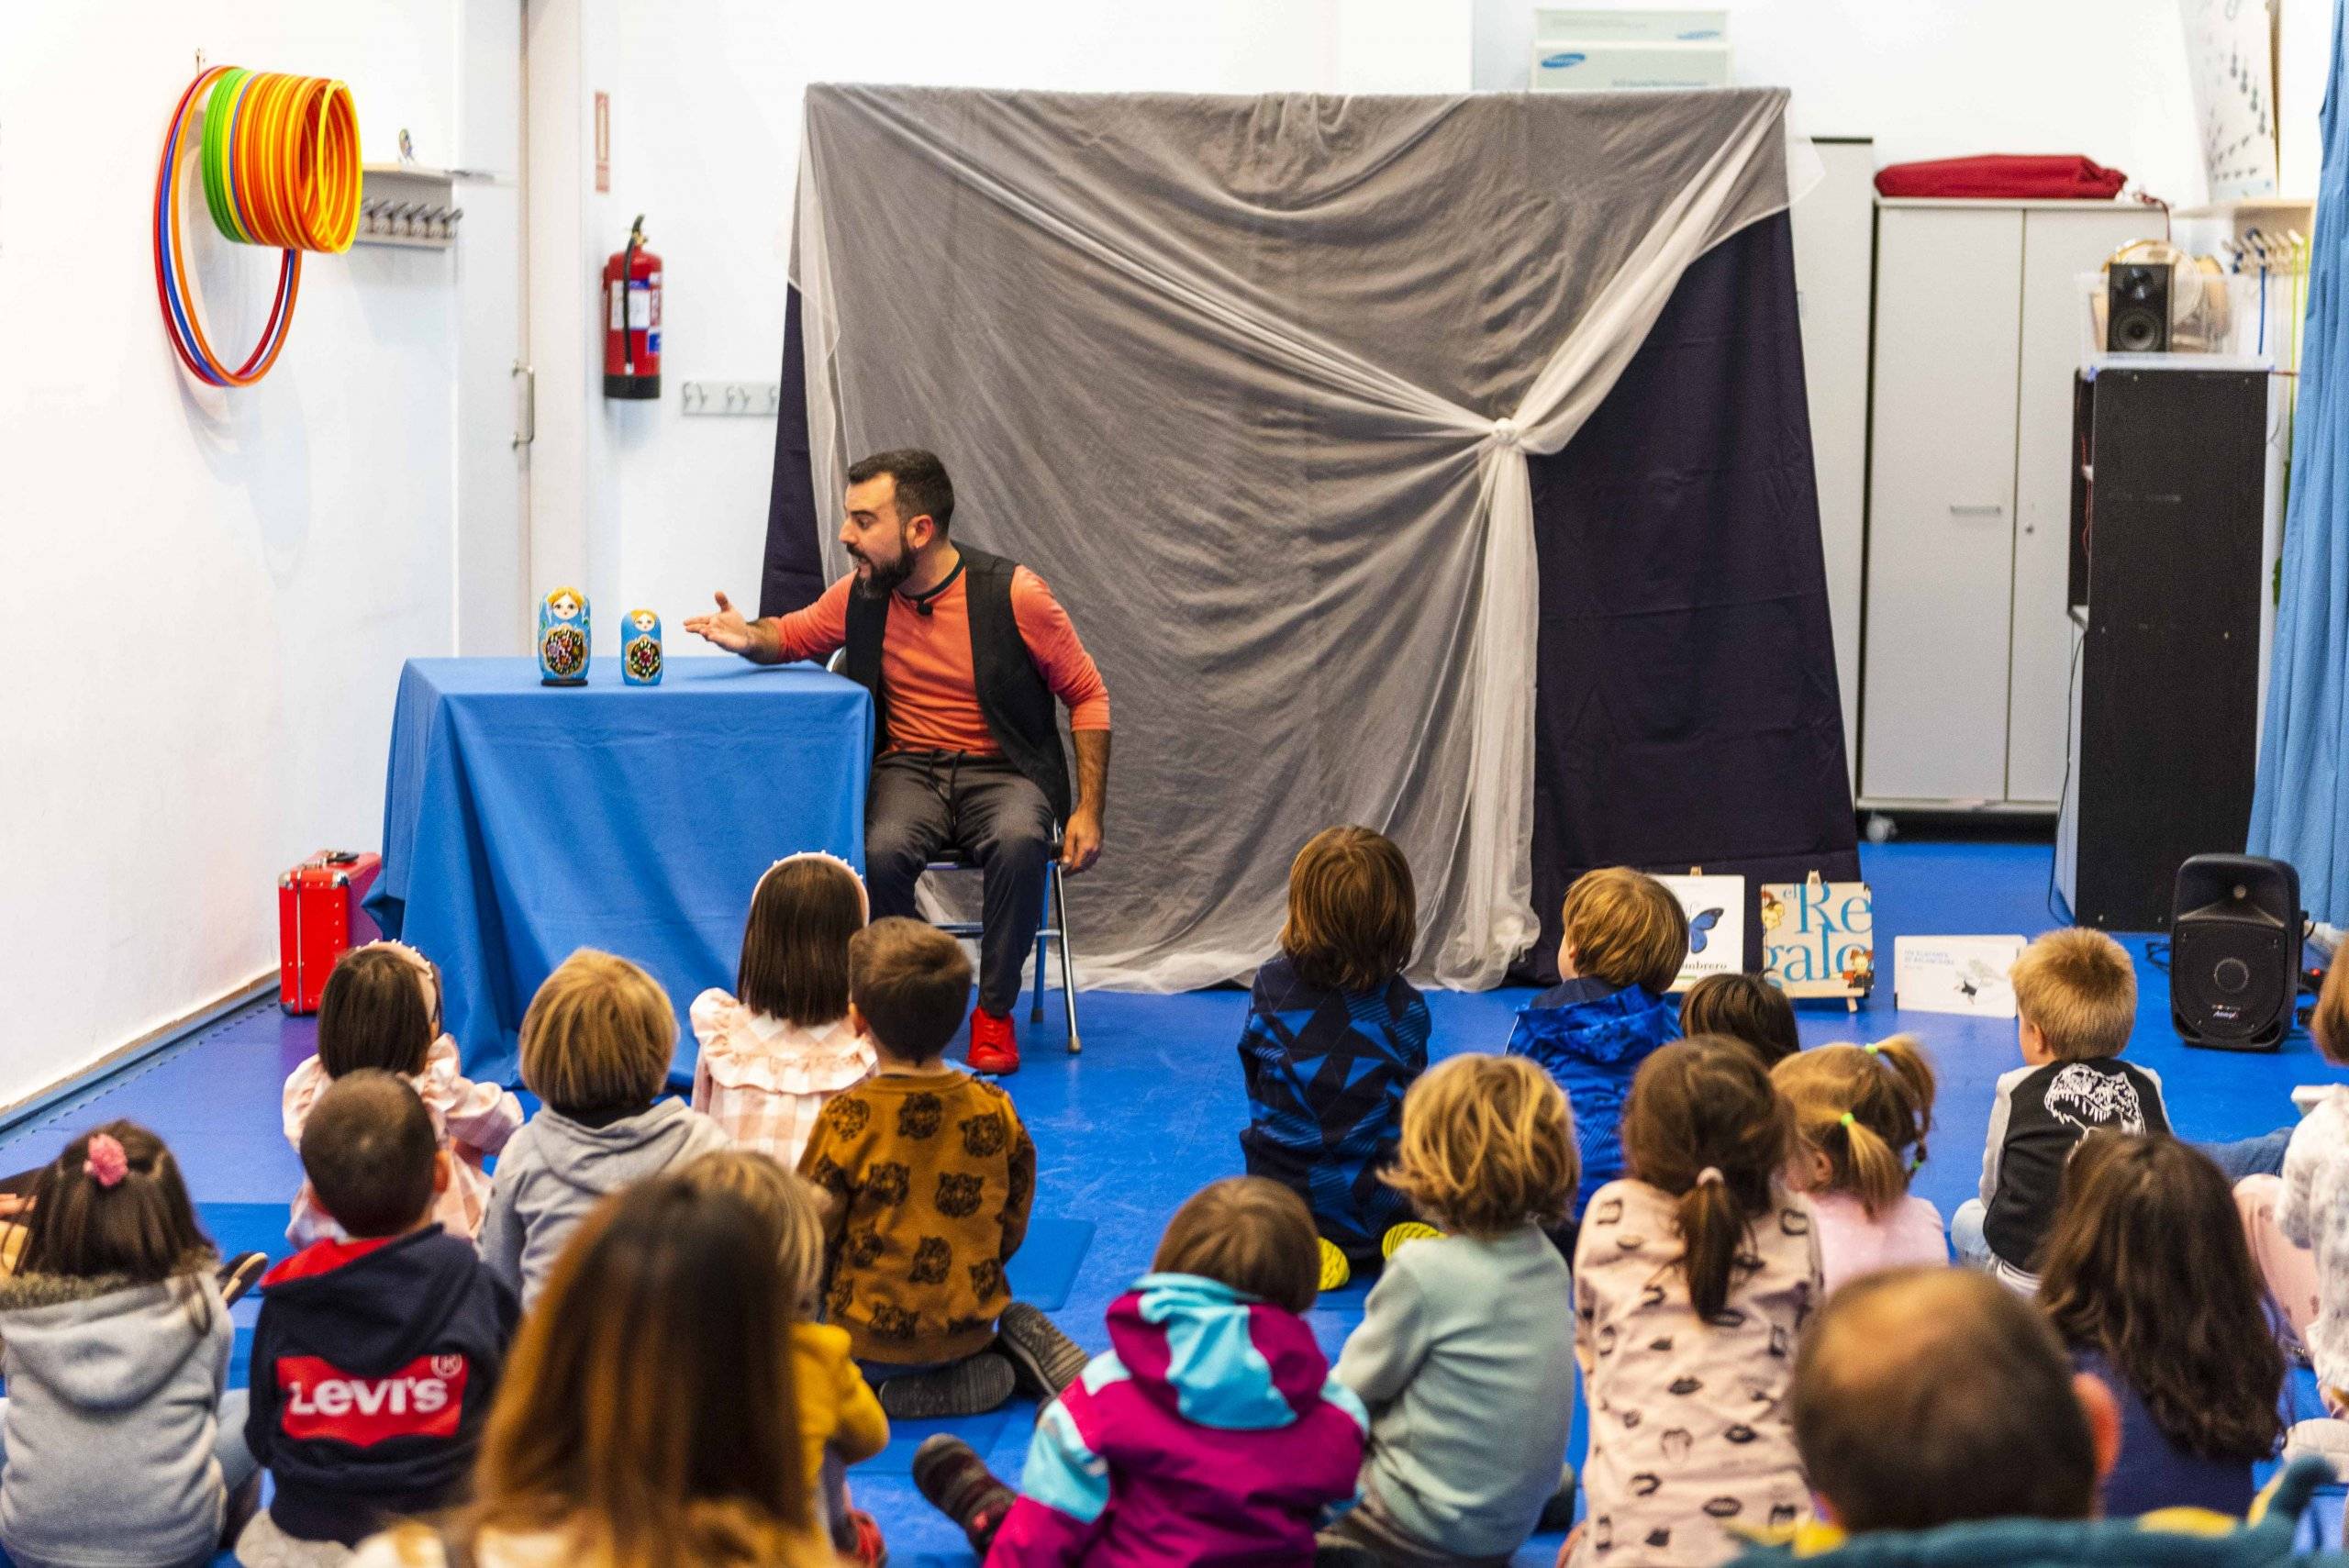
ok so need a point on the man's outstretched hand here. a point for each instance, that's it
(726, 628)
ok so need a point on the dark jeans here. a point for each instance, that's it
(2260, 1156)
(921, 802)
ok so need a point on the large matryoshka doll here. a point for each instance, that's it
(563, 639)
(641, 649)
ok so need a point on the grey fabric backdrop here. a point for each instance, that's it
(1253, 383)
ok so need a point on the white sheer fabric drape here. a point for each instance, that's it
(1253, 383)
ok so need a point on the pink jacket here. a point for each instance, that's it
(1210, 1434)
(473, 1120)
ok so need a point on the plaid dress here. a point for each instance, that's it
(1326, 1073)
(765, 1081)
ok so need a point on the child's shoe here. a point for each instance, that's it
(1044, 1360)
(1335, 1270)
(869, 1550)
(951, 1474)
(969, 1387)
(1400, 1236)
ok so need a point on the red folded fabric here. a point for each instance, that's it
(2003, 176)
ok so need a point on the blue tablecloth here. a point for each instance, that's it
(522, 821)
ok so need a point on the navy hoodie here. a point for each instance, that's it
(1591, 1037)
(373, 1366)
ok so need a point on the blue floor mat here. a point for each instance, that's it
(1153, 1108)
(1046, 1265)
(982, 1432)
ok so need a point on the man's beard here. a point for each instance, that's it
(880, 580)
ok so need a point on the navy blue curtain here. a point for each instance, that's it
(1687, 712)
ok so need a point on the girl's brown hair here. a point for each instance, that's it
(2147, 1263)
(1705, 1125)
(375, 1012)
(791, 1206)
(2329, 1022)
(142, 1227)
(1742, 1006)
(1488, 1143)
(646, 1412)
(794, 945)
(598, 1036)
(1352, 910)
(1863, 1107)
(1253, 1235)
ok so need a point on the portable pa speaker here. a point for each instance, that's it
(2136, 307)
(2234, 951)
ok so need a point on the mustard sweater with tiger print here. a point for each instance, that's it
(930, 1175)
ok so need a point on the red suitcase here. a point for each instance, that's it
(318, 920)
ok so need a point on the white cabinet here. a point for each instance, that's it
(1966, 643)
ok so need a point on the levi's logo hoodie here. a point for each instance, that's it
(373, 1366)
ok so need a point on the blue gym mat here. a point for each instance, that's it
(1153, 1108)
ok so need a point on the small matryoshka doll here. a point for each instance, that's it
(641, 649)
(563, 639)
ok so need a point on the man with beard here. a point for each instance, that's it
(964, 653)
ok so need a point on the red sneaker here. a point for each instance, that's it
(994, 1044)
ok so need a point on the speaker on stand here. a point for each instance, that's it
(2235, 951)
(2136, 307)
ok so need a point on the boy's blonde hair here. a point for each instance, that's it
(1863, 1107)
(790, 1205)
(598, 1036)
(2076, 986)
(1626, 928)
(1488, 1143)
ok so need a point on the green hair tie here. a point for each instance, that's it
(1846, 1119)
(1872, 1048)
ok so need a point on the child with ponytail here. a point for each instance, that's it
(1694, 1274)
(1862, 1113)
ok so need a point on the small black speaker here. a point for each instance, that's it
(2136, 308)
(2234, 951)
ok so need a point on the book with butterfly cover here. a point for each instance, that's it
(1819, 936)
(1716, 908)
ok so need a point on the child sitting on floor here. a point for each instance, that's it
(1459, 1340)
(1626, 937)
(1211, 1433)
(2298, 1224)
(375, 1359)
(1335, 1036)
(596, 1046)
(777, 1050)
(382, 1009)
(2148, 1280)
(1862, 1113)
(931, 1176)
(121, 1445)
(2075, 1003)
(1744, 1007)
(840, 1423)
(1693, 1279)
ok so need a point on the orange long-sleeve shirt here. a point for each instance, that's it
(926, 661)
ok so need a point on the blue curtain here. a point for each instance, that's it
(2302, 802)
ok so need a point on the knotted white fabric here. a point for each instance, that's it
(1252, 383)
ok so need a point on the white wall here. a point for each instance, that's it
(210, 592)
(1940, 78)
(659, 509)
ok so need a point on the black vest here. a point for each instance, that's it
(1017, 706)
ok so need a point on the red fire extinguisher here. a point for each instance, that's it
(632, 319)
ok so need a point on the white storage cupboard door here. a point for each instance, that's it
(1940, 512)
(2058, 245)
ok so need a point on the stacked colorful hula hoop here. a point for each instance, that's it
(280, 164)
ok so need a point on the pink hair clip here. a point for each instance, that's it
(107, 1164)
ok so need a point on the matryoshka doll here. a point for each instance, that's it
(641, 649)
(563, 639)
